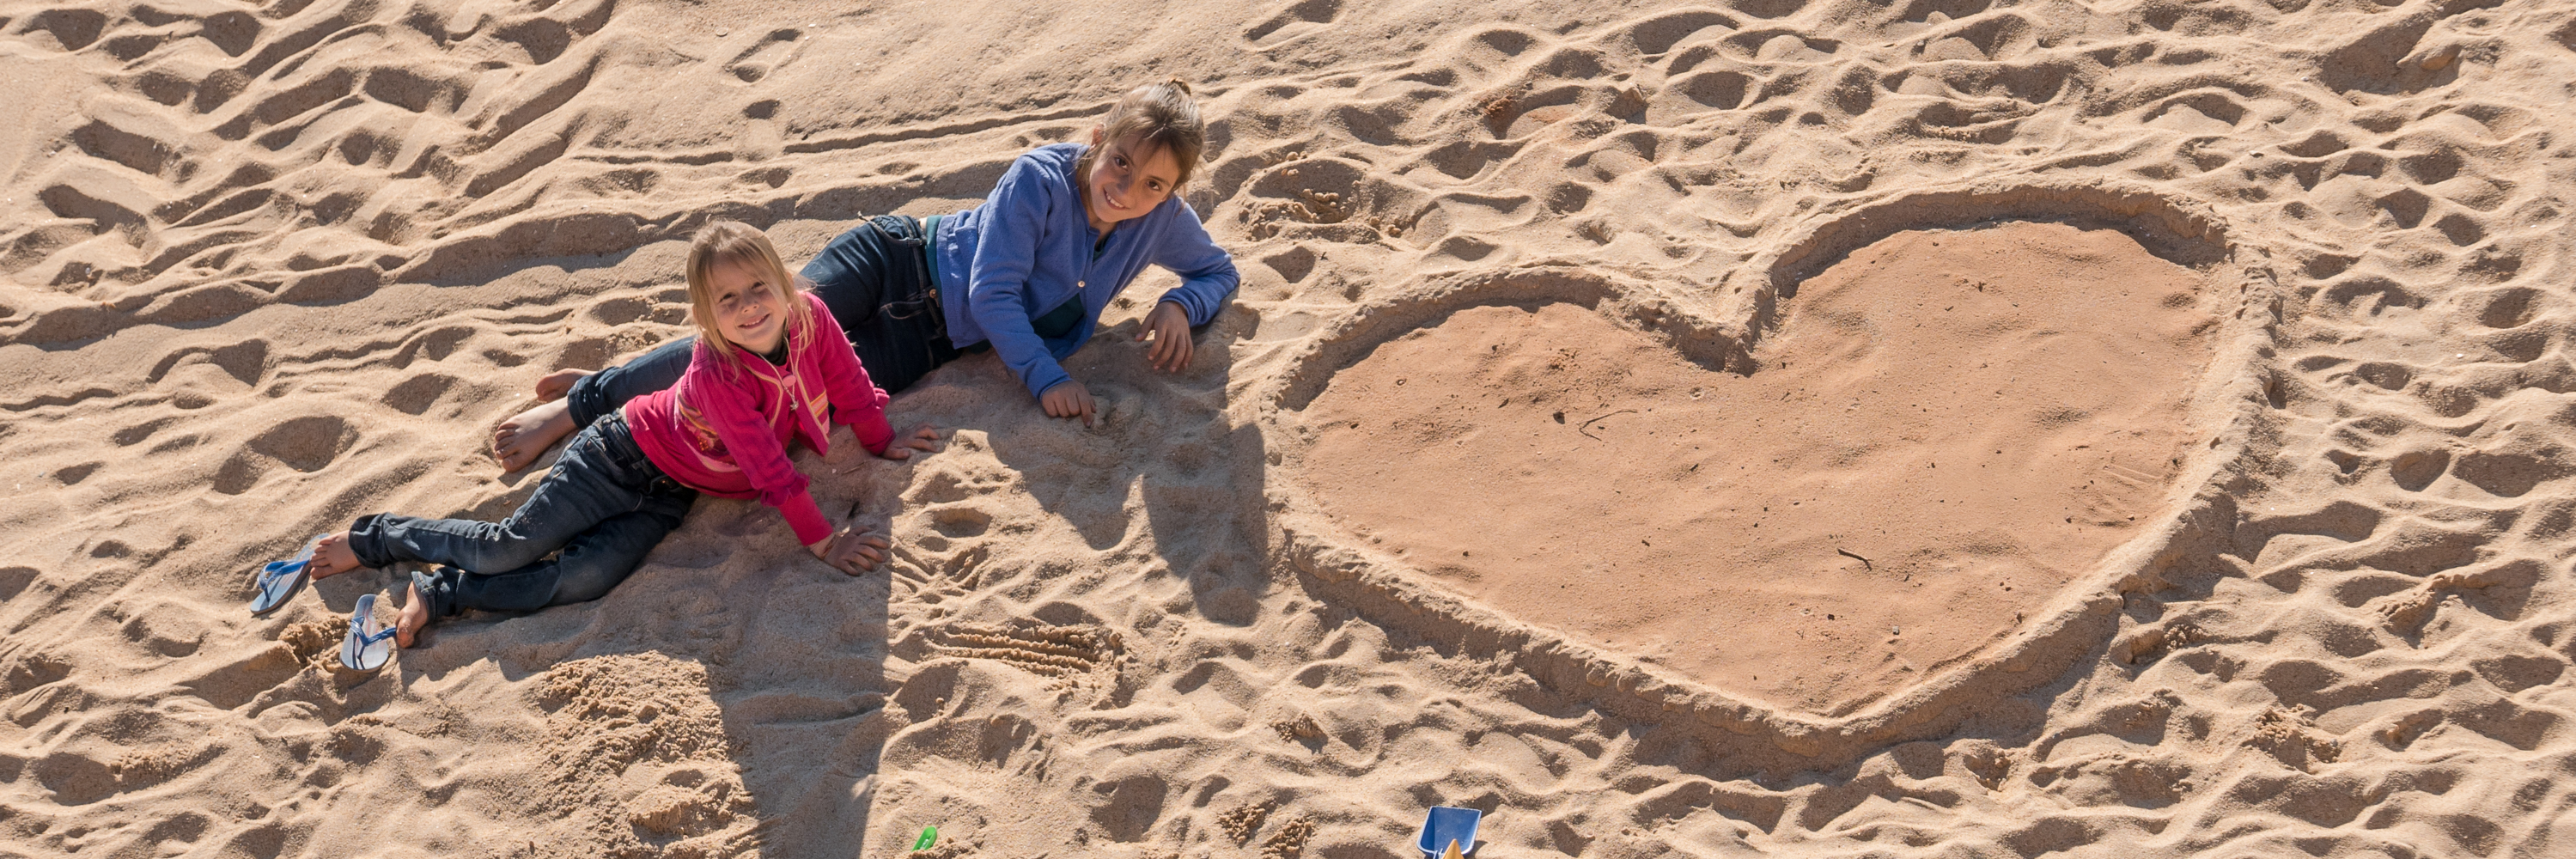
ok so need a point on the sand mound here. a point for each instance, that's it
(266, 268)
(640, 759)
(1950, 426)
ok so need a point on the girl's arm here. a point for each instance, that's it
(856, 401)
(730, 408)
(1207, 272)
(997, 290)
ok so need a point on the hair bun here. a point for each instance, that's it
(1159, 114)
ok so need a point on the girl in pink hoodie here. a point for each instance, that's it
(771, 367)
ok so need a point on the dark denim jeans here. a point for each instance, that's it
(604, 505)
(877, 285)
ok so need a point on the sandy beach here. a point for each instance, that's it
(1949, 428)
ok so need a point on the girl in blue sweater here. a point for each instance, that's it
(1026, 274)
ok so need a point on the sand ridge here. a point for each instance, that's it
(266, 268)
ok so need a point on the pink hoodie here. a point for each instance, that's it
(724, 432)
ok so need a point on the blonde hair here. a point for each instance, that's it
(740, 244)
(1158, 116)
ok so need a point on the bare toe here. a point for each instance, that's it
(553, 386)
(526, 435)
(414, 615)
(332, 556)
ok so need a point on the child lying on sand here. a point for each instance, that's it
(769, 367)
(1027, 273)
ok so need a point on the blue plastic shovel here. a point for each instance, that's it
(1445, 825)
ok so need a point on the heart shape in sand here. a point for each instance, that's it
(1934, 425)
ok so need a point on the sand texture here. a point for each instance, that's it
(2229, 335)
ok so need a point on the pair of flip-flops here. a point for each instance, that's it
(369, 643)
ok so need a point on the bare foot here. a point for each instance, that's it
(553, 386)
(414, 615)
(526, 435)
(332, 556)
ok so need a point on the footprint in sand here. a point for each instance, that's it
(1298, 20)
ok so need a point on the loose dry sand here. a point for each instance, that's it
(265, 267)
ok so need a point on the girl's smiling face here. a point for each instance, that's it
(750, 310)
(1125, 183)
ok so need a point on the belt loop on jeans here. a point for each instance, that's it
(617, 438)
(910, 234)
(930, 307)
(930, 276)
(907, 231)
(938, 315)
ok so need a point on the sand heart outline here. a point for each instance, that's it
(1717, 326)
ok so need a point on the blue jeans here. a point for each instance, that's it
(875, 281)
(604, 505)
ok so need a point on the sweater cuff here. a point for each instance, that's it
(1046, 376)
(1190, 305)
(806, 519)
(875, 435)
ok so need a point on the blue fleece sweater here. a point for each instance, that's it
(1028, 249)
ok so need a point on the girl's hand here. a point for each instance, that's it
(1169, 325)
(924, 438)
(851, 550)
(1069, 399)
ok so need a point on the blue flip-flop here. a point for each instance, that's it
(278, 580)
(368, 643)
